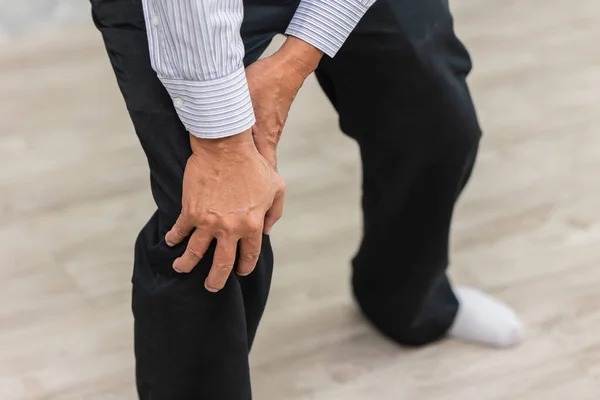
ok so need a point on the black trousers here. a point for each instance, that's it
(399, 88)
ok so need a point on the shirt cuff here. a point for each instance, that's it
(326, 24)
(215, 108)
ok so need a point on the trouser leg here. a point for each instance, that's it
(189, 343)
(399, 87)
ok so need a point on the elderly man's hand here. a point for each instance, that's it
(274, 83)
(228, 187)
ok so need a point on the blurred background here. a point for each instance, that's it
(74, 192)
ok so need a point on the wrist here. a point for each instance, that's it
(303, 57)
(222, 147)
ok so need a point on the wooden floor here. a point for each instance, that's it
(74, 192)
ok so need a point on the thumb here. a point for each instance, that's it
(275, 212)
(268, 151)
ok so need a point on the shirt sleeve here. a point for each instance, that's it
(326, 24)
(197, 53)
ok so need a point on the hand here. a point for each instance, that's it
(228, 187)
(274, 83)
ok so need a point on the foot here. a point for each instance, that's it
(485, 320)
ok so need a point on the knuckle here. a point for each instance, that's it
(275, 214)
(223, 267)
(188, 213)
(206, 220)
(179, 231)
(229, 226)
(227, 229)
(254, 224)
(250, 256)
(197, 254)
(282, 183)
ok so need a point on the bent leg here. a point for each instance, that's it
(399, 87)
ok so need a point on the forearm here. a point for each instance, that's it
(319, 26)
(300, 56)
(197, 52)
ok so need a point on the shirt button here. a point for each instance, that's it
(178, 102)
(155, 20)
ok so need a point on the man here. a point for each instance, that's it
(395, 73)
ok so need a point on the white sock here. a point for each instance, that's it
(485, 320)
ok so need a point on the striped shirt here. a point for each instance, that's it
(197, 51)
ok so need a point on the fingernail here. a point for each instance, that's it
(169, 243)
(243, 274)
(210, 289)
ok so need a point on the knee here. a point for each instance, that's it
(404, 323)
(408, 332)
(463, 132)
(456, 128)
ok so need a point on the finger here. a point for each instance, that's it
(270, 154)
(194, 252)
(222, 264)
(275, 212)
(182, 228)
(249, 253)
(266, 149)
